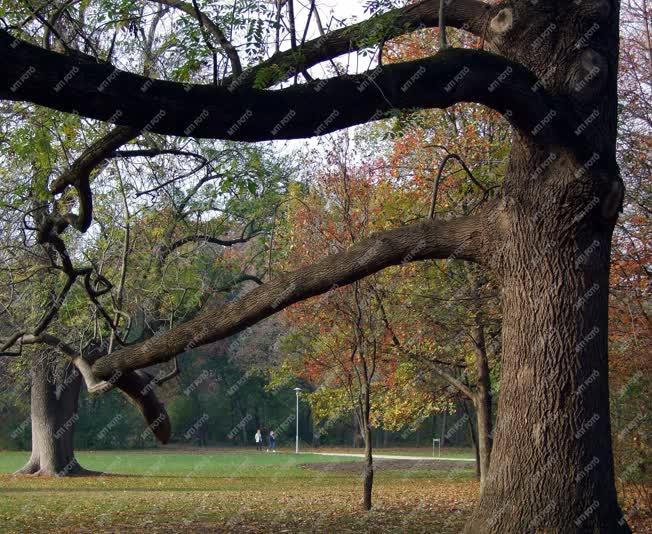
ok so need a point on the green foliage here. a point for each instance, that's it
(269, 76)
(329, 404)
(632, 431)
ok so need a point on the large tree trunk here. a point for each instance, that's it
(552, 464)
(53, 414)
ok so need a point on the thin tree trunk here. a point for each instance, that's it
(368, 470)
(443, 429)
(368, 450)
(474, 439)
(482, 401)
(356, 432)
(483, 411)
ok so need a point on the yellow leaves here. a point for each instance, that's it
(282, 376)
(329, 403)
(403, 404)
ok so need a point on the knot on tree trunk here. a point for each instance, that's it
(588, 76)
(503, 21)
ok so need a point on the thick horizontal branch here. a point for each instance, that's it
(467, 238)
(452, 76)
(470, 15)
(152, 152)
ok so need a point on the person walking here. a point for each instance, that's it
(258, 438)
(272, 441)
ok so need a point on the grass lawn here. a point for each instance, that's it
(446, 452)
(239, 491)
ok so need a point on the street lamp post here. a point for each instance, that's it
(297, 390)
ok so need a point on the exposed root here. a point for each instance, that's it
(29, 469)
(73, 469)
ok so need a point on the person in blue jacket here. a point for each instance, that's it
(272, 441)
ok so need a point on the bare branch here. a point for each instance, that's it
(212, 28)
(469, 15)
(443, 43)
(78, 176)
(435, 366)
(203, 239)
(435, 190)
(176, 371)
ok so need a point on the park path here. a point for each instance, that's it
(390, 456)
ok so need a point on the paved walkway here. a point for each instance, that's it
(391, 456)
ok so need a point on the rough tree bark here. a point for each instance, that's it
(552, 465)
(552, 74)
(53, 414)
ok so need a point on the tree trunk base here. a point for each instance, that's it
(73, 469)
(506, 519)
(28, 469)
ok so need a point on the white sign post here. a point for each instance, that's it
(296, 448)
(438, 441)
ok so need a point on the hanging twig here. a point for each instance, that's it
(308, 20)
(293, 29)
(176, 371)
(200, 18)
(443, 44)
(435, 190)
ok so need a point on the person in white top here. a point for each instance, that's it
(258, 438)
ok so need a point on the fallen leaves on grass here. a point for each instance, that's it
(325, 503)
